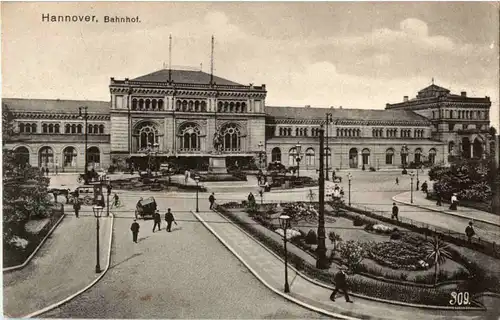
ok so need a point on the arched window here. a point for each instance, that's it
(310, 159)
(184, 105)
(353, 158)
(93, 156)
(231, 138)
(56, 128)
(418, 153)
(190, 137)
(147, 104)
(51, 128)
(327, 155)
(160, 104)
(451, 146)
(69, 157)
(44, 128)
(21, 127)
(153, 104)
(147, 135)
(101, 128)
(243, 107)
(296, 131)
(141, 104)
(67, 128)
(90, 129)
(33, 128)
(276, 155)
(203, 106)
(292, 155)
(79, 128)
(432, 156)
(22, 155)
(389, 156)
(134, 104)
(178, 105)
(46, 157)
(365, 153)
(220, 106)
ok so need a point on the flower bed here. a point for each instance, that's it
(357, 284)
(399, 255)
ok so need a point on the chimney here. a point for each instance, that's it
(463, 94)
(405, 98)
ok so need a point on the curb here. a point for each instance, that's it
(288, 297)
(357, 295)
(32, 255)
(442, 211)
(57, 304)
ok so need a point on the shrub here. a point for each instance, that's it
(358, 221)
(352, 253)
(395, 235)
(369, 227)
(403, 276)
(311, 237)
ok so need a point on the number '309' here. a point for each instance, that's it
(459, 298)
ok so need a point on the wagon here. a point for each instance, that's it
(145, 208)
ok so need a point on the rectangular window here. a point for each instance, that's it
(119, 102)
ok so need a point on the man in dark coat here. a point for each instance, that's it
(76, 207)
(211, 199)
(469, 231)
(395, 211)
(340, 284)
(135, 230)
(157, 219)
(169, 218)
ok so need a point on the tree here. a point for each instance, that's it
(335, 239)
(437, 250)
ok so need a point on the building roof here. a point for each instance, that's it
(434, 88)
(308, 113)
(55, 105)
(184, 76)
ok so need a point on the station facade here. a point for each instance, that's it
(191, 117)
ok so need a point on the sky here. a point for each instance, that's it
(349, 54)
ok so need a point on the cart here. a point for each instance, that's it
(145, 208)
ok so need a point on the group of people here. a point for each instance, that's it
(169, 219)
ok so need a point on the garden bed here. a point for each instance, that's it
(14, 256)
(135, 184)
(305, 261)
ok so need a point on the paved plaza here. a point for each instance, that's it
(187, 273)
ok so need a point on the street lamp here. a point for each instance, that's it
(108, 186)
(285, 224)
(83, 114)
(97, 213)
(329, 119)
(349, 177)
(261, 153)
(412, 174)
(297, 158)
(418, 182)
(197, 180)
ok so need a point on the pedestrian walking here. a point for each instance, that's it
(169, 218)
(395, 211)
(76, 207)
(47, 171)
(135, 230)
(397, 180)
(341, 284)
(157, 220)
(211, 199)
(116, 200)
(469, 232)
(251, 198)
(439, 201)
(425, 187)
(454, 202)
(418, 184)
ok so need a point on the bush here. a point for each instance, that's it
(311, 237)
(403, 276)
(373, 169)
(395, 235)
(358, 221)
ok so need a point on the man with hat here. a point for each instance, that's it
(341, 284)
(157, 219)
(469, 232)
(135, 230)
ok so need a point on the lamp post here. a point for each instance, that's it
(329, 119)
(297, 158)
(197, 180)
(418, 182)
(261, 194)
(412, 174)
(97, 213)
(349, 177)
(108, 186)
(404, 151)
(261, 153)
(322, 261)
(83, 114)
(285, 224)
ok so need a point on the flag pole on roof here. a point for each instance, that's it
(170, 58)
(212, 62)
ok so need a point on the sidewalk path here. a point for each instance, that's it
(64, 265)
(419, 200)
(271, 270)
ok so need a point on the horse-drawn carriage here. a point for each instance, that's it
(145, 208)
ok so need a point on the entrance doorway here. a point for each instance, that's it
(353, 158)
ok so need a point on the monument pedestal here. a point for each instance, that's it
(217, 164)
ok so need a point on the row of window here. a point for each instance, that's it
(46, 157)
(56, 128)
(346, 132)
(310, 160)
(461, 114)
(147, 104)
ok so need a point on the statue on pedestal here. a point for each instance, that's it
(217, 142)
